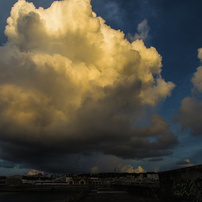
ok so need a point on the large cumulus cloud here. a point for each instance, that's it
(190, 112)
(71, 84)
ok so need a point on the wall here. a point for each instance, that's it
(146, 191)
(183, 184)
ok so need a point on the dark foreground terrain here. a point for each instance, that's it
(110, 195)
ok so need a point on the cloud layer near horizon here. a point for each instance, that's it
(71, 84)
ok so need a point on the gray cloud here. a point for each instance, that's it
(189, 115)
(185, 163)
(143, 31)
(190, 112)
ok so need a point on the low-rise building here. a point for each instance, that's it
(85, 181)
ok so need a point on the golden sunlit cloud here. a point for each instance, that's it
(94, 170)
(35, 172)
(130, 169)
(70, 82)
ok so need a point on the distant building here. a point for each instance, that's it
(85, 181)
(17, 176)
(153, 176)
(10, 181)
(72, 181)
(3, 181)
(68, 178)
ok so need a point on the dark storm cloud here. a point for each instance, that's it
(156, 159)
(47, 157)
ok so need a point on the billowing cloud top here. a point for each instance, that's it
(70, 83)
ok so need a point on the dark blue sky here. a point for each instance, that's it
(175, 31)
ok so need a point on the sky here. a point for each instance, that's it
(94, 86)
